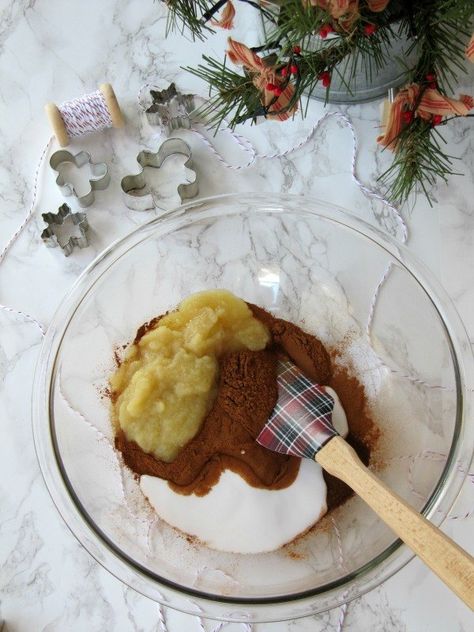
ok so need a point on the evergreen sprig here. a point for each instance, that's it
(442, 29)
(419, 159)
(230, 92)
(436, 30)
(188, 15)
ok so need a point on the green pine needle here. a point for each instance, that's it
(418, 163)
(436, 29)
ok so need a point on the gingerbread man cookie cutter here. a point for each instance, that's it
(100, 174)
(137, 194)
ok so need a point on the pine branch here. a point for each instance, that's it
(419, 162)
(196, 14)
(436, 29)
(442, 28)
(230, 91)
(187, 14)
(237, 99)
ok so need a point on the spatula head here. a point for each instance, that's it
(300, 423)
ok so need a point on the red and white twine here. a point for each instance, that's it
(19, 230)
(86, 114)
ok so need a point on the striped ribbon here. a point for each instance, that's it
(432, 103)
(347, 9)
(470, 49)
(226, 20)
(262, 76)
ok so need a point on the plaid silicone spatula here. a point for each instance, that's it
(301, 425)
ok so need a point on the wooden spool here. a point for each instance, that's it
(57, 123)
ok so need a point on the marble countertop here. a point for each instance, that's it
(56, 51)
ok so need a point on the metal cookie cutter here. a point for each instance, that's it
(49, 234)
(100, 174)
(138, 195)
(170, 109)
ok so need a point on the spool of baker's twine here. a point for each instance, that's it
(87, 114)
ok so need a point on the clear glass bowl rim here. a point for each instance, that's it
(395, 556)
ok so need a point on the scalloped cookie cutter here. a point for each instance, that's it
(137, 194)
(49, 235)
(170, 109)
(100, 174)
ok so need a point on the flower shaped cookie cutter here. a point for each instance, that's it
(100, 174)
(137, 193)
(170, 109)
(53, 220)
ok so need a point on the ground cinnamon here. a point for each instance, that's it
(246, 396)
(306, 351)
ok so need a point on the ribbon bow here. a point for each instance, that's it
(262, 77)
(338, 8)
(347, 11)
(470, 49)
(226, 21)
(432, 103)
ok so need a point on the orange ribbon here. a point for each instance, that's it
(432, 103)
(262, 76)
(470, 49)
(346, 12)
(377, 5)
(339, 8)
(226, 21)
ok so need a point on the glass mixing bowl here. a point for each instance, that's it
(311, 263)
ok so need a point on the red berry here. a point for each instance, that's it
(437, 119)
(369, 29)
(433, 85)
(277, 91)
(296, 50)
(284, 72)
(430, 77)
(270, 87)
(407, 117)
(325, 30)
(294, 69)
(325, 78)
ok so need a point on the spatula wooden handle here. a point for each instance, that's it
(453, 565)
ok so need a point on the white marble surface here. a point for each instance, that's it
(55, 51)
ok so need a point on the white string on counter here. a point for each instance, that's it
(162, 618)
(24, 316)
(20, 229)
(342, 564)
(31, 210)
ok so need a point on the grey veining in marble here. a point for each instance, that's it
(56, 51)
